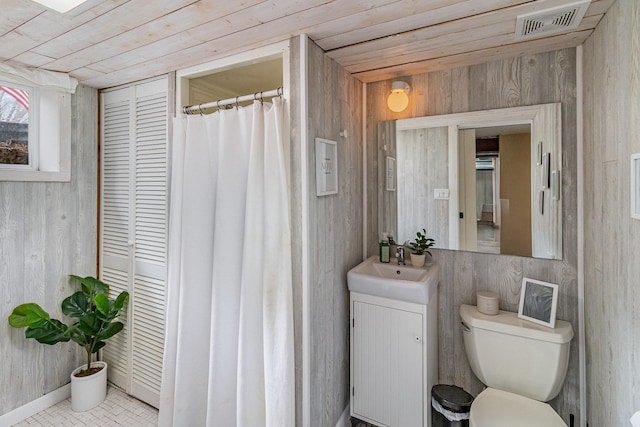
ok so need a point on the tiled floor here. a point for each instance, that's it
(118, 409)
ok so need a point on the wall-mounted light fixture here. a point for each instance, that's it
(398, 99)
(61, 6)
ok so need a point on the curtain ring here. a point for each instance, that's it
(185, 109)
(237, 103)
(200, 109)
(218, 104)
(280, 92)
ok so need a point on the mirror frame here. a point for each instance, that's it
(545, 122)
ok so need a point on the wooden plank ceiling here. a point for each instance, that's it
(109, 42)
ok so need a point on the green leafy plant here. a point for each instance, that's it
(422, 244)
(94, 315)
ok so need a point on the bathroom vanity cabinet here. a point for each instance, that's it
(394, 360)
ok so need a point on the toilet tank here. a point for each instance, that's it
(514, 355)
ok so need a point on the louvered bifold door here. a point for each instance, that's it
(134, 229)
(150, 237)
(115, 259)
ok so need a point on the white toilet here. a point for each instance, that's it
(522, 364)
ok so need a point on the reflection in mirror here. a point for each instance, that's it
(422, 170)
(498, 185)
(476, 181)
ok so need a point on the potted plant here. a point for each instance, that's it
(94, 322)
(420, 248)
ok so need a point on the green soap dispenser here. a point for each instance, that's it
(385, 249)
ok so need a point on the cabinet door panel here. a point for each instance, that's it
(387, 363)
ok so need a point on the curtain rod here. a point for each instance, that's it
(258, 96)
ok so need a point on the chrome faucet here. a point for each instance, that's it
(400, 255)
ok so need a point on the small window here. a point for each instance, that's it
(18, 139)
(35, 133)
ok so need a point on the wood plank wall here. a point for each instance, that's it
(387, 200)
(526, 80)
(422, 167)
(335, 232)
(612, 238)
(296, 213)
(47, 231)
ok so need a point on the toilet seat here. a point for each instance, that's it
(497, 408)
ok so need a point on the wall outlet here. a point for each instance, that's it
(441, 194)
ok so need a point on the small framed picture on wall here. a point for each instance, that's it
(391, 174)
(326, 167)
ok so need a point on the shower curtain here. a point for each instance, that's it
(228, 357)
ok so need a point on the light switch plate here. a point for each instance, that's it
(441, 194)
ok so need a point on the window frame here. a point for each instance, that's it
(33, 139)
(49, 137)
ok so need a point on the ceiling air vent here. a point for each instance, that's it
(551, 21)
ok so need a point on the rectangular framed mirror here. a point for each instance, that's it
(489, 161)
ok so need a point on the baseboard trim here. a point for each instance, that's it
(25, 411)
(342, 422)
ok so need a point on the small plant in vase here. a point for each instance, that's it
(94, 322)
(420, 248)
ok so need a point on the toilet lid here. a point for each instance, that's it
(496, 408)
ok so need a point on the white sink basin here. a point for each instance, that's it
(399, 282)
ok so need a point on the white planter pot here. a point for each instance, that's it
(88, 392)
(417, 260)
